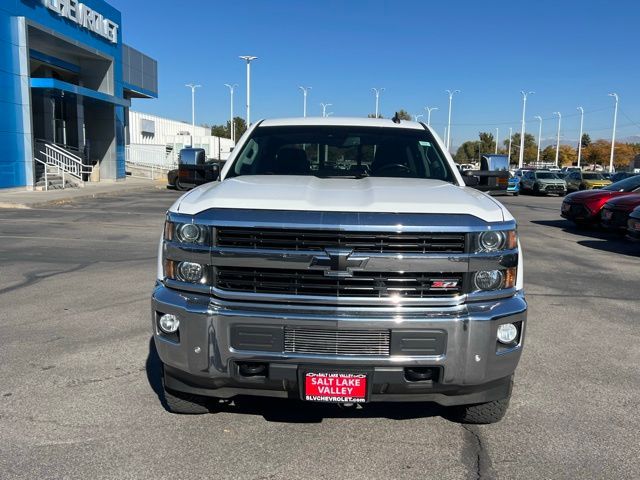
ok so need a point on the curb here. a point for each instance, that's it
(78, 196)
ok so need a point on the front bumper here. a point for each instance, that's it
(578, 212)
(553, 188)
(614, 219)
(472, 367)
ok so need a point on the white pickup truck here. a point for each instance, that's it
(340, 260)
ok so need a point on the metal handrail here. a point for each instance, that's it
(64, 161)
(46, 177)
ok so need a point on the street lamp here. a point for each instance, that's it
(613, 135)
(377, 92)
(539, 118)
(193, 107)
(558, 137)
(248, 59)
(416, 117)
(305, 92)
(510, 135)
(497, 133)
(232, 126)
(429, 110)
(580, 136)
(324, 108)
(524, 108)
(451, 94)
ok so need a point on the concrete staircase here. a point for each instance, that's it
(53, 179)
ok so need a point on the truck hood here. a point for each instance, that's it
(309, 193)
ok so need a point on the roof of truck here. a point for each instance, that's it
(340, 121)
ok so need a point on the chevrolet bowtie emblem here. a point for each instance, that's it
(338, 263)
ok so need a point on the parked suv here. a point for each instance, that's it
(543, 182)
(340, 260)
(585, 181)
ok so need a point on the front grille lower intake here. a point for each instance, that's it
(336, 342)
(318, 240)
(361, 284)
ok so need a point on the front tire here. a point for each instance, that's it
(481, 413)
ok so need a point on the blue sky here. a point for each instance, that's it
(570, 53)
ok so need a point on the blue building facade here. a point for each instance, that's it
(66, 79)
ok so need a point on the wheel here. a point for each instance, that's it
(536, 189)
(515, 194)
(185, 403)
(562, 194)
(179, 185)
(481, 413)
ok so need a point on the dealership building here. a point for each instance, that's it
(66, 84)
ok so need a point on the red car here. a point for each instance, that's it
(584, 207)
(615, 212)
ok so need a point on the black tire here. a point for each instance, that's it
(185, 403)
(179, 186)
(536, 189)
(515, 194)
(481, 413)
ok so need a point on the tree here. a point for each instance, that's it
(530, 148)
(403, 114)
(468, 152)
(548, 155)
(220, 131)
(224, 131)
(586, 140)
(487, 142)
(373, 115)
(567, 156)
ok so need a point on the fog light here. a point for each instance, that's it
(190, 272)
(507, 333)
(169, 323)
(488, 279)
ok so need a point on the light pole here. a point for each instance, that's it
(510, 135)
(580, 137)
(524, 108)
(416, 117)
(324, 108)
(539, 118)
(497, 132)
(305, 92)
(451, 94)
(613, 135)
(558, 137)
(232, 126)
(377, 92)
(429, 110)
(248, 59)
(193, 107)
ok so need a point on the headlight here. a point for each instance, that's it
(495, 240)
(190, 272)
(488, 279)
(186, 233)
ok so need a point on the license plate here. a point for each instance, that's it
(335, 387)
(566, 207)
(607, 214)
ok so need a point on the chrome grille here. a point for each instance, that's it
(318, 240)
(336, 342)
(314, 282)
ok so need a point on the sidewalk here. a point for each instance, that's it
(27, 199)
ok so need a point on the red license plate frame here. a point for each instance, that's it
(335, 387)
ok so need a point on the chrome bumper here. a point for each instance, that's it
(203, 360)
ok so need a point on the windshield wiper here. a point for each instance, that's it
(355, 176)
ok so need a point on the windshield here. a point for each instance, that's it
(592, 176)
(626, 185)
(342, 151)
(547, 175)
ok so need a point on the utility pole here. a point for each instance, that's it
(305, 91)
(580, 136)
(429, 110)
(510, 135)
(497, 132)
(232, 125)
(539, 138)
(193, 108)
(613, 135)
(248, 59)
(558, 137)
(377, 92)
(324, 108)
(416, 117)
(451, 94)
(524, 108)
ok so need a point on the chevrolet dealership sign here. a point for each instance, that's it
(79, 13)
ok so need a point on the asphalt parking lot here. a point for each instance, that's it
(79, 379)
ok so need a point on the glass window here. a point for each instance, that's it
(547, 175)
(592, 176)
(342, 151)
